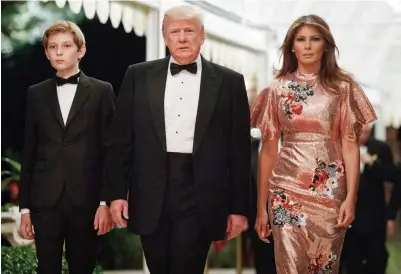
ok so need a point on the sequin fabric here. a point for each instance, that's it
(308, 183)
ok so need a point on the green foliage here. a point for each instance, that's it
(6, 207)
(224, 258)
(18, 260)
(120, 249)
(22, 260)
(24, 22)
(11, 171)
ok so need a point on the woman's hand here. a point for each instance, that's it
(347, 213)
(262, 226)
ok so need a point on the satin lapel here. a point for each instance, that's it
(156, 86)
(209, 91)
(80, 97)
(53, 102)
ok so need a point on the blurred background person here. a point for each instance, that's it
(395, 199)
(365, 243)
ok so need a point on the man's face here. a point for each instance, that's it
(252, 96)
(365, 134)
(184, 38)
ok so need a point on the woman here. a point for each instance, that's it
(313, 181)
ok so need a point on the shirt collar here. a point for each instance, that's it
(198, 61)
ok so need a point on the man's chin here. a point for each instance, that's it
(185, 57)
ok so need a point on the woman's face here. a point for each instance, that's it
(308, 46)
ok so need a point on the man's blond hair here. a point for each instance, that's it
(65, 27)
(183, 12)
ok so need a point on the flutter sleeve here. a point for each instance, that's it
(356, 111)
(264, 114)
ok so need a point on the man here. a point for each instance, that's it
(61, 185)
(364, 249)
(263, 252)
(394, 204)
(180, 147)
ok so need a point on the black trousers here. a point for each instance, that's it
(263, 253)
(364, 253)
(65, 223)
(178, 245)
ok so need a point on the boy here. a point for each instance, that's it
(61, 187)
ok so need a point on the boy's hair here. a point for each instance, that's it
(65, 27)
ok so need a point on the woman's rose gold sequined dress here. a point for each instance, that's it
(308, 183)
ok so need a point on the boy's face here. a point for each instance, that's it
(63, 53)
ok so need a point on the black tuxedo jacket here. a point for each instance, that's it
(255, 143)
(69, 156)
(371, 208)
(221, 151)
(395, 199)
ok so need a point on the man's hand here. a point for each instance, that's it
(26, 227)
(103, 220)
(235, 225)
(118, 208)
(391, 227)
(367, 159)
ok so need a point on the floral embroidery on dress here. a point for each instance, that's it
(286, 210)
(326, 178)
(322, 265)
(295, 96)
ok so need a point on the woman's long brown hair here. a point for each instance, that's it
(330, 74)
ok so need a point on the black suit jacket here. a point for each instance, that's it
(57, 155)
(370, 213)
(221, 150)
(254, 181)
(395, 200)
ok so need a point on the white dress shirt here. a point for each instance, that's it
(65, 95)
(362, 149)
(180, 108)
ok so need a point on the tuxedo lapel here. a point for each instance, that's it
(54, 103)
(209, 91)
(156, 86)
(80, 97)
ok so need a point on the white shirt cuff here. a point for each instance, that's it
(25, 211)
(102, 203)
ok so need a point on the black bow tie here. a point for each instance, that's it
(70, 80)
(175, 68)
